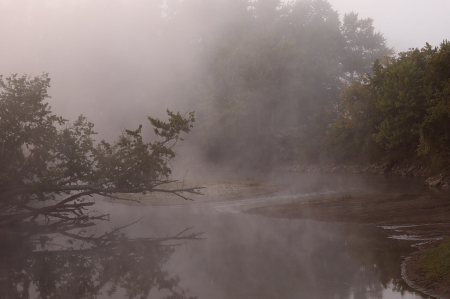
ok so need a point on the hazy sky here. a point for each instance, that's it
(404, 23)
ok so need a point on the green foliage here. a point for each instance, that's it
(435, 128)
(435, 262)
(400, 100)
(43, 156)
(349, 139)
(363, 45)
(399, 112)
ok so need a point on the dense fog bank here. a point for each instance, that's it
(270, 82)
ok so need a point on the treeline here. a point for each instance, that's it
(268, 77)
(270, 81)
(400, 112)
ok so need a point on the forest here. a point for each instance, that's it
(400, 112)
(270, 76)
(271, 82)
(281, 82)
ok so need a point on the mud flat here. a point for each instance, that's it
(416, 217)
(217, 190)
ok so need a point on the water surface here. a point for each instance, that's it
(238, 256)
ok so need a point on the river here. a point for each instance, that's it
(237, 255)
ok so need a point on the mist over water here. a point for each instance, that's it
(250, 256)
(240, 255)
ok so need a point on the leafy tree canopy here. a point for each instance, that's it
(401, 111)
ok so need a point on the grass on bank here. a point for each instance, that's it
(436, 261)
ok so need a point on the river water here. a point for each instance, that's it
(237, 255)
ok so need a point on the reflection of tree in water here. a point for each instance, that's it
(369, 248)
(299, 259)
(84, 265)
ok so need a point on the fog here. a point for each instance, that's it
(405, 24)
(264, 79)
(118, 61)
(101, 56)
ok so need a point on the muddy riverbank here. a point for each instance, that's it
(386, 168)
(416, 170)
(212, 191)
(417, 279)
(419, 217)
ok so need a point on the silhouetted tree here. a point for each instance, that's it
(44, 159)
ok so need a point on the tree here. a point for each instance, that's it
(350, 139)
(403, 107)
(273, 72)
(44, 158)
(270, 83)
(385, 108)
(266, 71)
(401, 101)
(362, 46)
(435, 129)
(242, 104)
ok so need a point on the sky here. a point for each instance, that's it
(404, 23)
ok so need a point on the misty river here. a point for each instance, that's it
(237, 255)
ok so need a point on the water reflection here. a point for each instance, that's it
(250, 256)
(242, 255)
(368, 247)
(62, 263)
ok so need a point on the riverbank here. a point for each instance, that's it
(213, 190)
(381, 168)
(415, 217)
(386, 168)
(417, 278)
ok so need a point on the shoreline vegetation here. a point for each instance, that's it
(421, 217)
(428, 270)
(395, 112)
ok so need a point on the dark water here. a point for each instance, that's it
(237, 256)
